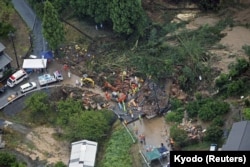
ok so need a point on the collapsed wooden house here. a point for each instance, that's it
(152, 99)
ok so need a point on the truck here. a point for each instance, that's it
(46, 79)
(2, 88)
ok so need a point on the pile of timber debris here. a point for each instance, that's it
(90, 100)
(149, 97)
(195, 132)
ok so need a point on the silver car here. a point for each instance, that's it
(27, 87)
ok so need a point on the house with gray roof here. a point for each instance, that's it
(239, 137)
(5, 61)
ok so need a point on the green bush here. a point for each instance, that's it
(207, 108)
(90, 125)
(39, 105)
(179, 136)
(211, 108)
(60, 164)
(9, 160)
(246, 113)
(222, 80)
(174, 117)
(206, 113)
(235, 87)
(213, 134)
(218, 121)
(246, 48)
(193, 108)
(238, 68)
(198, 96)
(175, 104)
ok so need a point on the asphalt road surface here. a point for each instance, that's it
(39, 45)
(34, 23)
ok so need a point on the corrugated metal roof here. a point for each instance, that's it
(239, 137)
(83, 154)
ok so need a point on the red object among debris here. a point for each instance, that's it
(107, 95)
(122, 97)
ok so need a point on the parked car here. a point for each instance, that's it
(58, 75)
(46, 79)
(27, 87)
(213, 147)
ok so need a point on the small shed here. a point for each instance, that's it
(83, 154)
(34, 63)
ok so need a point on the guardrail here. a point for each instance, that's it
(29, 92)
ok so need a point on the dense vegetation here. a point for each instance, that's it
(235, 82)
(207, 110)
(69, 115)
(9, 160)
(118, 150)
(158, 52)
(52, 27)
(127, 17)
(6, 11)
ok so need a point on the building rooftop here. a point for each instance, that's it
(239, 137)
(83, 154)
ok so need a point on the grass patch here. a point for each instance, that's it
(118, 149)
(12, 138)
(204, 146)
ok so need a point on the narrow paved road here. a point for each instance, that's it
(33, 22)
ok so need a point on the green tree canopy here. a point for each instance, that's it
(127, 16)
(94, 8)
(38, 104)
(66, 109)
(5, 12)
(89, 125)
(52, 27)
(9, 160)
(179, 135)
(213, 134)
(246, 113)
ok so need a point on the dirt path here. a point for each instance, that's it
(40, 144)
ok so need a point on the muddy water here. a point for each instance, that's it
(155, 131)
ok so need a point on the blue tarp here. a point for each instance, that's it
(47, 55)
(162, 149)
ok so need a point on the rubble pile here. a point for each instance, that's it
(74, 56)
(152, 99)
(195, 132)
(90, 100)
(147, 97)
(176, 92)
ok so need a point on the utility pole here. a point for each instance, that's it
(11, 35)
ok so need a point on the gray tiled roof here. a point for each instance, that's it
(4, 58)
(239, 137)
(2, 47)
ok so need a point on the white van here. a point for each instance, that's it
(17, 77)
(28, 86)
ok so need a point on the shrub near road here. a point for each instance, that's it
(70, 116)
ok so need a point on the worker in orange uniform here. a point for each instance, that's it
(107, 95)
